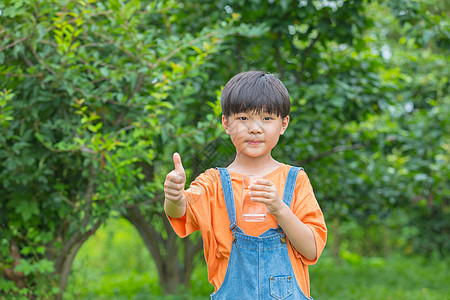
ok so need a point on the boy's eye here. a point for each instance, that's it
(268, 118)
(242, 118)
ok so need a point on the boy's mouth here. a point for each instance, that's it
(254, 142)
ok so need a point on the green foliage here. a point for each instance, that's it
(95, 96)
(85, 91)
(375, 278)
(6, 115)
(425, 22)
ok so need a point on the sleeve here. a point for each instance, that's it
(307, 209)
(197, 212)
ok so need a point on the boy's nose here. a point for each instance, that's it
(255, 127)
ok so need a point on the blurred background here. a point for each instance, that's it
(95, 96)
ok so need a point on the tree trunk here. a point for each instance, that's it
(165, 251)
(64, 261)
(18, 278)
(336, 246)
(190, 251)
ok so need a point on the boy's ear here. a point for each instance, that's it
(284, 125)
(225, 123)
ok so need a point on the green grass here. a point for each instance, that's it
(397, 277)
(115, 264)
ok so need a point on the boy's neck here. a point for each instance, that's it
(260, 166)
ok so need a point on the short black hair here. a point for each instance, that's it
(256, 91)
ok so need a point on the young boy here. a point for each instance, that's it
(251, 260)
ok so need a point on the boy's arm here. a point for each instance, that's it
(174, 202)
(298, 233)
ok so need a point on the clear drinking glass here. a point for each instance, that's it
(252, 211)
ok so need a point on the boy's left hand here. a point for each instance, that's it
(264, 191)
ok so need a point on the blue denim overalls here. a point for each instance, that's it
(258, 267)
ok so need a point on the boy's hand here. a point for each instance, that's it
(264, 191)
(175, 181)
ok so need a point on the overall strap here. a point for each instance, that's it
(227, 189)
(289, 188)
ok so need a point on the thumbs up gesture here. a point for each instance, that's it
(175, 181)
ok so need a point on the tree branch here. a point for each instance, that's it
(10, 273)
(75, 239)
(89, 195)
(150, 236)
(47, 67)
(138, 85)
(304, 57)
(68, 259)
(178, 49)
(14, 43)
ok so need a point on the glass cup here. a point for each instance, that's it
(252, 211)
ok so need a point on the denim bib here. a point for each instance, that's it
(259, 266)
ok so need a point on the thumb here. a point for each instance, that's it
(178, 165)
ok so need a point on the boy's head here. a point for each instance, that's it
(255, 91)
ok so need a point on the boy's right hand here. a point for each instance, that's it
(175, 181)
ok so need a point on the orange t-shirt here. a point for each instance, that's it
(206, 211)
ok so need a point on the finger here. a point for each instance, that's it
(173, 193)
(259, 194)
(264, 182)
(260, 187)
(174, 185)
(178, 164)
(175, 177)
(173, 182)
(178, 179)
(260, 200)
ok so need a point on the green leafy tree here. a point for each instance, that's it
(84, 90)
(417, 130)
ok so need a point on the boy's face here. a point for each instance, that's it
(254, 134)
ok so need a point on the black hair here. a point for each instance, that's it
(255, 91)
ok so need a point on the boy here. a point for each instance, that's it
(251, 260)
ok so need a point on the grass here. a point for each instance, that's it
(115, 264)
(397, 277)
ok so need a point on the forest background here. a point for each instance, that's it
(95, 96)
